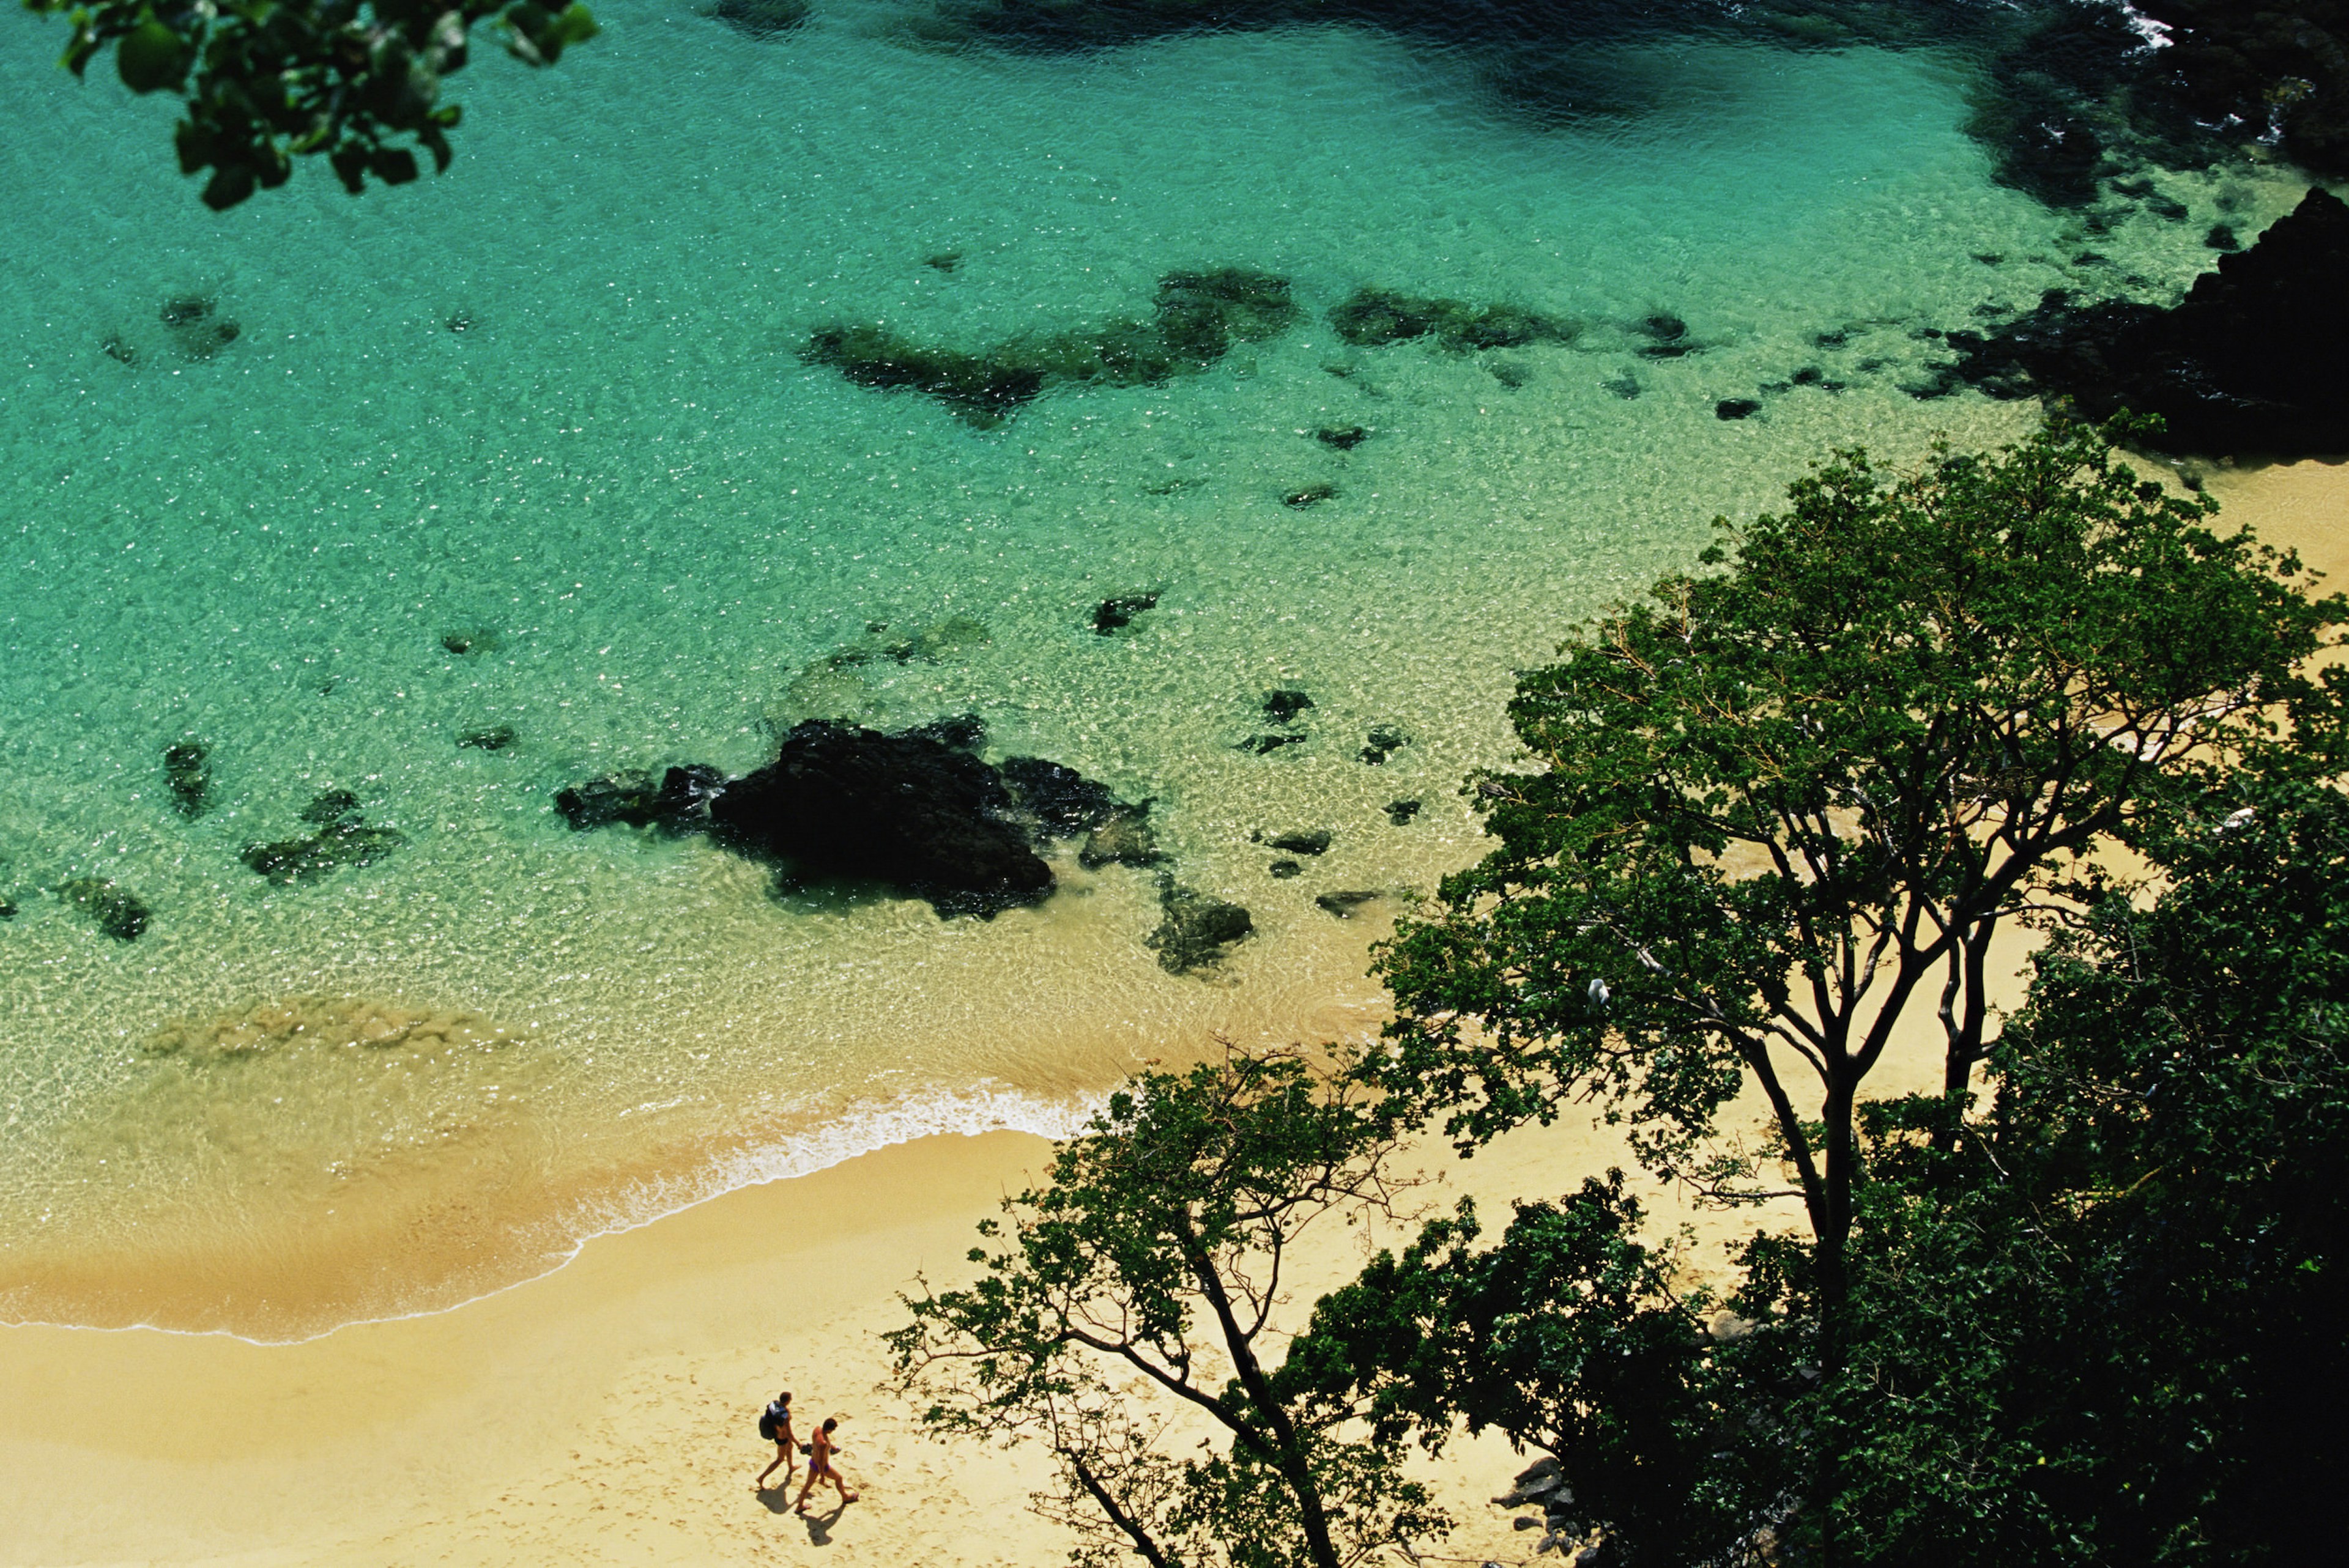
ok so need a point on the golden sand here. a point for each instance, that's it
(604, 1413)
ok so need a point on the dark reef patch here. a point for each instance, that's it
(1308, 495)
(1308, 841)
(1283, 704)
(926, 819)
(1114, 614)
(1371, 317)
(490, 738)
(120, 914)
(1383, 741)
(188, 778)
(1197, 318)
(2248, 363)
(343, 838)
(2064, 93)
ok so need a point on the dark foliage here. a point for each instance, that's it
(265, 82)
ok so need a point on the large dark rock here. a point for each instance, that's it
(2263, 66)
(926, 819)
(2255, 359)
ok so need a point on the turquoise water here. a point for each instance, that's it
(551, 404)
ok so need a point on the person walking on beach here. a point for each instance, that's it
(775, 1423)
(820, 1466)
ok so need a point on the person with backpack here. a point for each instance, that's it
(820, 1466)
(775, 1426)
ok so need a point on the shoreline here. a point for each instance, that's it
(602, 1411)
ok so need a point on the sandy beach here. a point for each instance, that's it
(603, 1414)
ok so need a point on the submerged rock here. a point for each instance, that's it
(1199, 317)
(1266, 745)
(120, 914)
(1382, 742)
(187, 777)
(1063, 801)
(1371, 316)
(1308, 495)
(493, 738)
(1344, 438)
(1116, 614)
(1284, 870)
(343, 840)
(1124, 839)
(2249, 362)
(1311, 841)
(1344, 904)
(1283, 704)
(1197, 931)
(926, 819)
(1401, 813)
(675, 802)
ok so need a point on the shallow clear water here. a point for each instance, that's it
(650, 522)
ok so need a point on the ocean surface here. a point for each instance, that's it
(533, 445)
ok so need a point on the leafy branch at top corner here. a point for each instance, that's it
(267, 81)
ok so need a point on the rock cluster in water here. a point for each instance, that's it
(918, 810)
(1198, 316)
(2249, 362)
(1372, 316)
(342, 839)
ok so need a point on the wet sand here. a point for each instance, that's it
(603, 1414)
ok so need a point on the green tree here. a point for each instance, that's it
(267, 81)
(1567, 1336)
(1789, 799)
(1134, 1304)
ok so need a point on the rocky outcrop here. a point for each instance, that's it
(917, 811)
(926, 819)
(2254, 360)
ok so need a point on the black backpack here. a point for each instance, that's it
(767, 1424)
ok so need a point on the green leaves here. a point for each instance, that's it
(537, 37)
(268, 81)
(151, 56)
(1132, 1299)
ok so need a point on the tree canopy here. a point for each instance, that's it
(267, 81)
(1153, 1263)
(2087, 1316)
